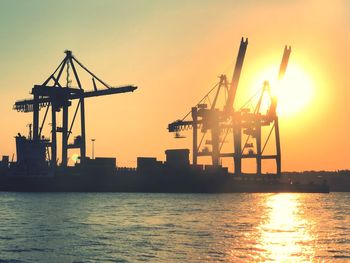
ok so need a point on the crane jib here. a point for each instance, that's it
(71, 95)
(284, 62)
(236, 74)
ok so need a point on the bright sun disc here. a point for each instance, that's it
(294, 92)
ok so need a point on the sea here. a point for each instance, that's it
(138, 227)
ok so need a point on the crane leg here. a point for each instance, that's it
(83, 136)
(237, 139)
(54, 138)
(278, 148)
(36, 119)
(65, 136)
(195, 136)
(258, 149)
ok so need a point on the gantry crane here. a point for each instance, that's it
(211, 119)
(243, 121)
(252, 121)
(55, 94)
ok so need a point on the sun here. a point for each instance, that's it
(295, 92)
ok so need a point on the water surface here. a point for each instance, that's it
(123, 227)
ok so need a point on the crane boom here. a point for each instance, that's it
(236, 75)
(284, 62)
(27, 105)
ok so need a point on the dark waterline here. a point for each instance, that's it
(122, 227)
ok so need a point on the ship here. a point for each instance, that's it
(175, 175)
(36, 168)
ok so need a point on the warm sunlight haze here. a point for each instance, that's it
(175, 131)
(295, 92)
(174, 52)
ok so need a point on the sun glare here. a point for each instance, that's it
(285, 232)
(75, 157)
(294, 92)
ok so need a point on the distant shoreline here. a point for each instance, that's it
(339, 181)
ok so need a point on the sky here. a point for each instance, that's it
(174, 51)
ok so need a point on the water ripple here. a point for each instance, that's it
(122, 227)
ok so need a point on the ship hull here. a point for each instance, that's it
(154, 184)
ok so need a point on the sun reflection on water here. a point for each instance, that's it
(285, 235)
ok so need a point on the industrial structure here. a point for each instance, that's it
(245, 124)
(56, 93)
(37, 169)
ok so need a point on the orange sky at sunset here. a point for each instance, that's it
(174, 51)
